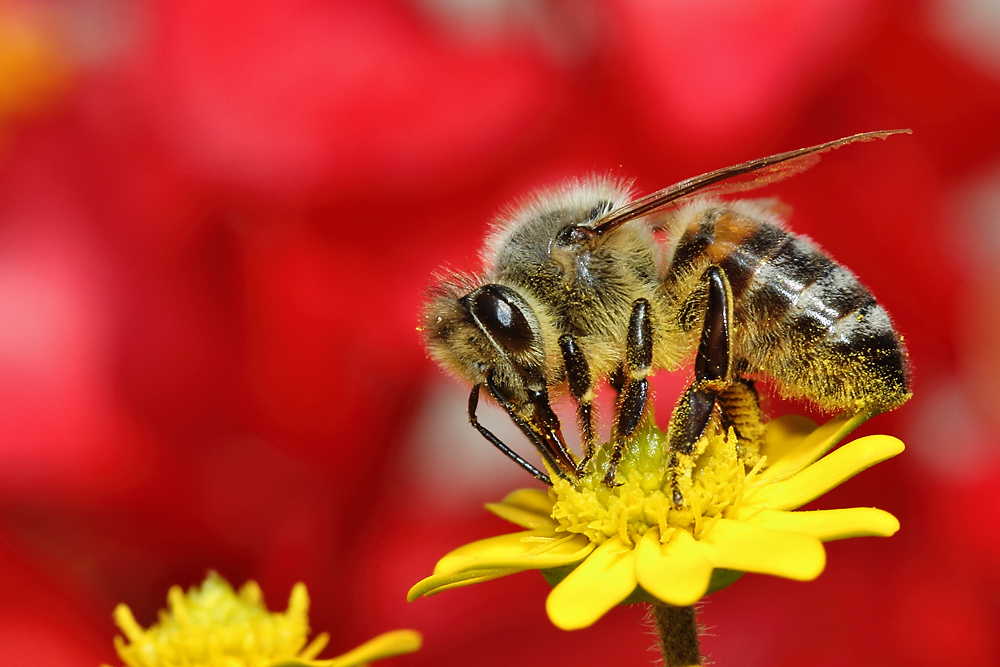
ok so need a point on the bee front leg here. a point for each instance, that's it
(581, 386)
(712, 377)
(632, 399)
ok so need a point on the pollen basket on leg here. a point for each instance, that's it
(712, 483)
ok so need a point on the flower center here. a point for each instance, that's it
(642, 496)
(215, 625)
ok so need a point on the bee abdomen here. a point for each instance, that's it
(800, 318)
(830, 340)
(839, 348)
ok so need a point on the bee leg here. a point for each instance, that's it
(740, 408)
(486, 433)
(632, 400)
(638, 362)
(712, 367)
(580, 385)
(688, 423)
(544, 424)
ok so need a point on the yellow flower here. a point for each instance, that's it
(214, 626)
(602, 546)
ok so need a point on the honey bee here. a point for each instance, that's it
(578, 288)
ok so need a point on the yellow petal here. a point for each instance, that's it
(828, 525)
(676, 572)
(528, 508)
(782, 465)
(735, 545)
(315, 647)
(442, 582)
(386, 645)
(784, 434)
(528, 549)
(832, 470)
(603, 580)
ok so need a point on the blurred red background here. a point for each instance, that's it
(217, 221)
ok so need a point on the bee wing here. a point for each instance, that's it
(737, 178)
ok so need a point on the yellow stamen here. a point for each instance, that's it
(642, 496)
(214, 626)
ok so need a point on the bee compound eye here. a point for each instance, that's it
(495, 309)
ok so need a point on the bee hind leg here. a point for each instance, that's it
(632, 398)
(712, 379)
(688, 424)
(740, 409)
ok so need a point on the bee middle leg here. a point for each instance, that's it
(634, 392)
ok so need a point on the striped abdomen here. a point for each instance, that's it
(799, 318)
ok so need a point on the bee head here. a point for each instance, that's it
(490, 335)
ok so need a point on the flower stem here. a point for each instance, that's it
(677, 628)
